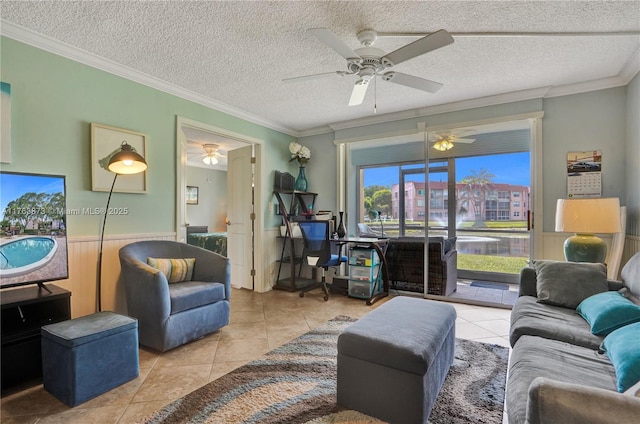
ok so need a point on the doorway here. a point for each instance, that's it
(242, 176)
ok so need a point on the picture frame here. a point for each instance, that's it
(105, 142)
(192, 195)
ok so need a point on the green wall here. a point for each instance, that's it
(54, 100)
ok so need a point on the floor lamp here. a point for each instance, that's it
(585, 217)
(125, 162)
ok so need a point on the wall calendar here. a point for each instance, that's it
(584, 174)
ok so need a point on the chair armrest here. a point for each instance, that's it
(528, 282)
(552, 402)
(147, 290)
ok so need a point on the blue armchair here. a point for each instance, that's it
(172, 314)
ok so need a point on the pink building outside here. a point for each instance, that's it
(496, 202)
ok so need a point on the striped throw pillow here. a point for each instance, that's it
(176, 270)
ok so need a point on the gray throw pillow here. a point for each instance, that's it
(568, 283)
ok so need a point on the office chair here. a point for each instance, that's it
(318, 251)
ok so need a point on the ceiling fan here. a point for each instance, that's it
(211, 154)
(368, 62)
(443, 141)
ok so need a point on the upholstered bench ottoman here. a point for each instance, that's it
(392, 362)
(85, 357)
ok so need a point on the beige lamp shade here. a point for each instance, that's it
(588, 216)
(126, 161)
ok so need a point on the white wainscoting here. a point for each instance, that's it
(631, 247)
(83, 258)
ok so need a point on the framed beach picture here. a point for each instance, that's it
(105, 142)
(192, 195)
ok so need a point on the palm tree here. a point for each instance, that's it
(478, 184)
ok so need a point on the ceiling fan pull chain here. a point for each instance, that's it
(375, 94)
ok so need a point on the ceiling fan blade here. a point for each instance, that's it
(423, 45)
(411, 81)
(330, 39)
(313, 76)
(463, 140)
(359, 90)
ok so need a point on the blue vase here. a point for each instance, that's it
(301, 181)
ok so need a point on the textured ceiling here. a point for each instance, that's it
(237, 52)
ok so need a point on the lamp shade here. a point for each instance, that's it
(126, 161)
(588, 216)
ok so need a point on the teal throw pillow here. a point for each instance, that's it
(622, 347)
(568, 283)
(608, 311)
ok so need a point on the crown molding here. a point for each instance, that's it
(57, 47)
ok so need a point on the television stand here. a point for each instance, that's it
(24, 311)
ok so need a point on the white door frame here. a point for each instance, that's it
(181, 179)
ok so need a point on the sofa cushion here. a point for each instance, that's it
(192, 294)
(569, 283)
(538, 357)
(176, 270)
(528, 317)
(608, 311)
(623, 348)
(630, 275)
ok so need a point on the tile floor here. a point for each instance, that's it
(259, 323)
(494, 297)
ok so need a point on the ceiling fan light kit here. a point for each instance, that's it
(211, 154)
(443, 145)
(369, 62)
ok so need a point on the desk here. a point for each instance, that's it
(380, 246)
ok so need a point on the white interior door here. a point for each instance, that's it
(240, 208)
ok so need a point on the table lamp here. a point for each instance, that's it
(585, 217)
(126, 161)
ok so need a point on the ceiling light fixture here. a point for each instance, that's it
(443, 145)
(210, 160)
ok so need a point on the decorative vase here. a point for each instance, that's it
(301, 182)
(341, 229)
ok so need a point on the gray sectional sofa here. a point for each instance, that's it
(559, 371)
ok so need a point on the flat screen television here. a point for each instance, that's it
(33, 229)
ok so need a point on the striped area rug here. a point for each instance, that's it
(296, 383)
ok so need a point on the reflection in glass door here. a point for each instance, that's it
(492, 205)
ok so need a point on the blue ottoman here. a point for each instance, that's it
(85, 357)
(392, 362)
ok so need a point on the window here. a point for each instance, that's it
(516, 214)
(516, 204)
(516, 194)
